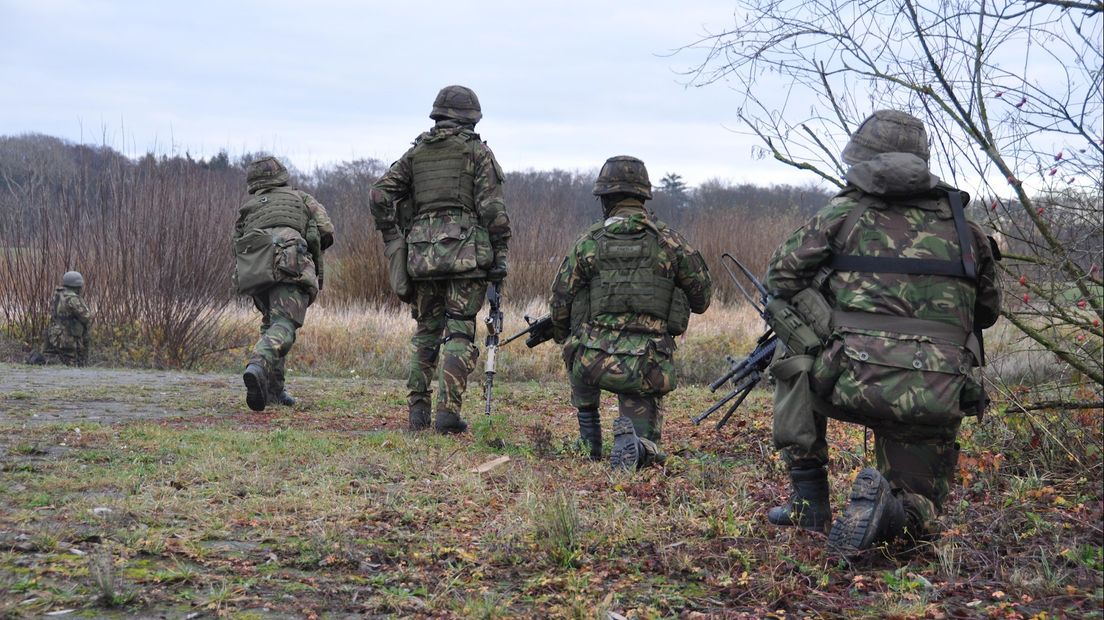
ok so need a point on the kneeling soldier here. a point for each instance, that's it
(623, 292)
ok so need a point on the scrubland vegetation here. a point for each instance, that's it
(190, 504)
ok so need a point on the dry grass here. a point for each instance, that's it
(375, 342)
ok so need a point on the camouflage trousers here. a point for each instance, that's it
(645, 411)
(919, 461)
(445, 311)
(283, 308)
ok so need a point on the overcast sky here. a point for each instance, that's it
(563, 84)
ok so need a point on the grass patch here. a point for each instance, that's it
(334, 508)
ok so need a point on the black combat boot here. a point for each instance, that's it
(256, 386)
(419, 415)
(809, 506)
(282, 397)
(590, 433)
(449, 423)
(873, 515)
(626, 445)
(277, 394)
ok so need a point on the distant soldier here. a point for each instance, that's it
(905, 284)
(445, 229)
(623, 292)
(279, 239)
(68, 336)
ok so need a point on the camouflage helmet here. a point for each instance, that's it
(265, 172)
(72, 279)
(887, 131)
(623, 175)
(456, 103)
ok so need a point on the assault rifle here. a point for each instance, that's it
(494, 330)
(744, 373)
(790, 324)
(539, 331)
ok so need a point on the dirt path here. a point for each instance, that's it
(49, 394)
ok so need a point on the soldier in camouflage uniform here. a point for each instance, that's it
(909, 284)
(279, 238)
(440, 205)
(621, 295)
(68, 336)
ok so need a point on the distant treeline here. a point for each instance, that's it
(67, 199)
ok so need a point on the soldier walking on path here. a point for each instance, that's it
(906, 284)
(445, 229)
(68, 335)
(279, 238)
(622, 293)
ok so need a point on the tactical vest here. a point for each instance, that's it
(280, 206)
(441, 175)
(965, 268)
(627, 280)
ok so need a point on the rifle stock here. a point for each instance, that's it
(539, 331)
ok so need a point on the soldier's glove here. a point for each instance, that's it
(497, 272)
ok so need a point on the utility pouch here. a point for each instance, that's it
(791, 328)
(255, 261)
(624, 365)
(794, 424)
(291, 257)
(678, 317)
(395, 252)
(439, 246)
(813, 307)
(902, 379)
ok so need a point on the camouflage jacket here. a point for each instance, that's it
(396, 188)
(70, 325)
(677, 260)
(908, 376)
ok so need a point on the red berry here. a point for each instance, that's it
(1039, 210)
(1023, 280)
(1081, 304)
(1058, 157)
(1053, 171)
(1026, 298)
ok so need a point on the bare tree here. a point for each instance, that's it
(1012, 95)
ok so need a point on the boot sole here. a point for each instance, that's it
(853, 532)
(254, 392)
(626, 448)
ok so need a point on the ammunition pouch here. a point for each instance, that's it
(814, 308)
(678, 317)
(791, 328)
